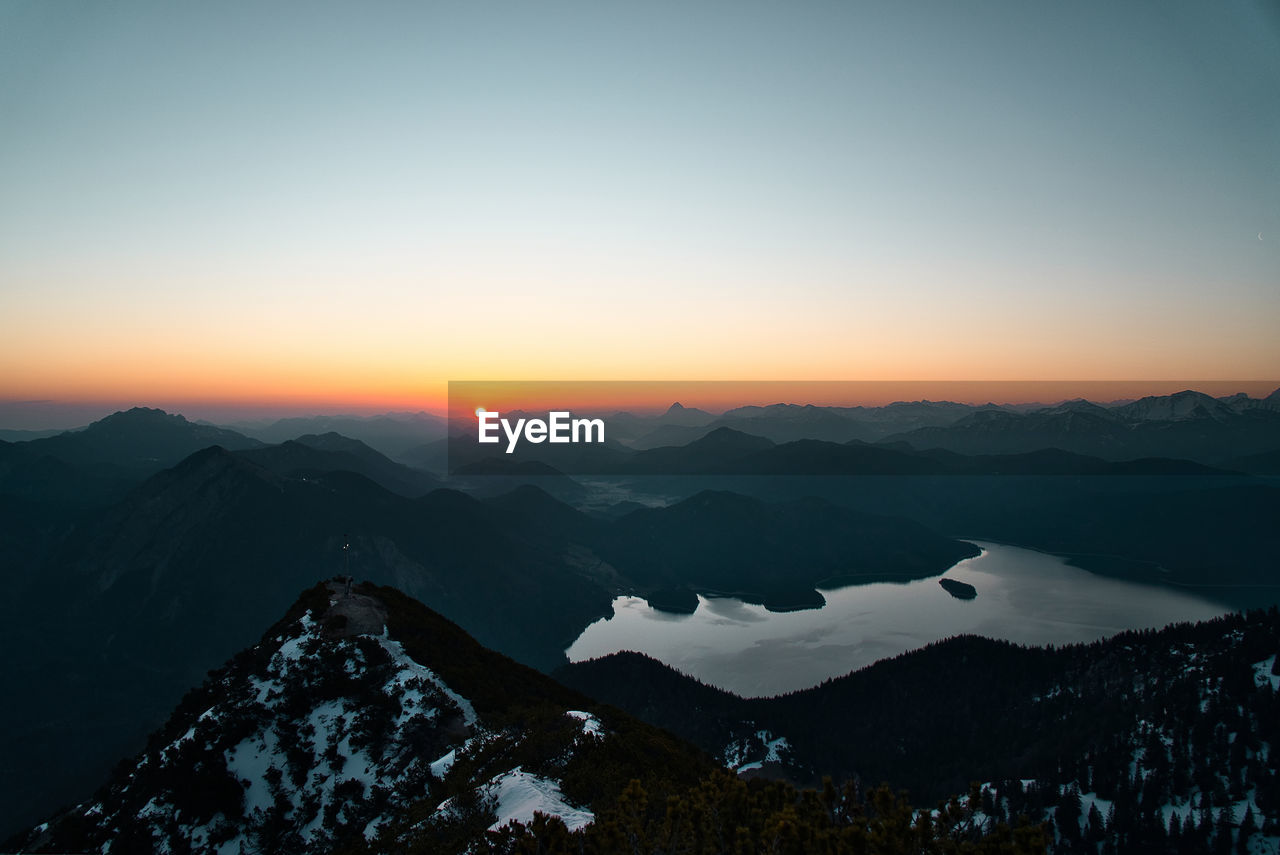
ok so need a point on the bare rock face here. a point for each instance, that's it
(351, 613)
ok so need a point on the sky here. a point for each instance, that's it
(346, 205)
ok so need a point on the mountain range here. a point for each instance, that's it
(143, 550)
(391, 434)
(1186, 426)
(928, 424)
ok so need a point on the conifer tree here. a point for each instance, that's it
(1248, 827)
(1222, 833)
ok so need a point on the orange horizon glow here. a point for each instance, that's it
(751, 209)
(643, 397)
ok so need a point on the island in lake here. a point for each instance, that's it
(959, 590)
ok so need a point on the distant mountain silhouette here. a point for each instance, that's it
(502, 465)
(790, 422)
(541, 517)
(725, 451)
(814, 457)
(680, 421)
(1187, 425)
(1213, 539)
(1180, 405)
(499, 475)
(671, 435)
(391, 434)
(775, 553)
(719, 447)
(1006, 429)
(140, 438)
(11, 435)
(1240, 402)
(432, 456)
(902, 415)
(97, 465)
(60, 487)
(1007, 432)
(1077, 405)
(678, 414)
(571, 458)
(331, 452)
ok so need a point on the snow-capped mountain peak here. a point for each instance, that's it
(331, 733)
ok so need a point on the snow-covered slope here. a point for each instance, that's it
(1196, 763)
(329, 734)
(1187, 404)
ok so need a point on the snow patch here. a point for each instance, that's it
(736, 753)
(249, 761)
(408, 669)
(590, 724)
(1262, 674)
(292, 650)
(520, 795)
(441, 767)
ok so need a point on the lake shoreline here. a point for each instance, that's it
(1024, 595)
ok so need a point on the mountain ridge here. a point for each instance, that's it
(328, 734)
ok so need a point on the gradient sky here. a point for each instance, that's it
(351, 203)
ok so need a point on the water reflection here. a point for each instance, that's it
(1024, 596)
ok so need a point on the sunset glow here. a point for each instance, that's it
(362, 207)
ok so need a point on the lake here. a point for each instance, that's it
(1023, 596)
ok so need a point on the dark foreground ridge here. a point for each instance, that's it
(365, 722)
